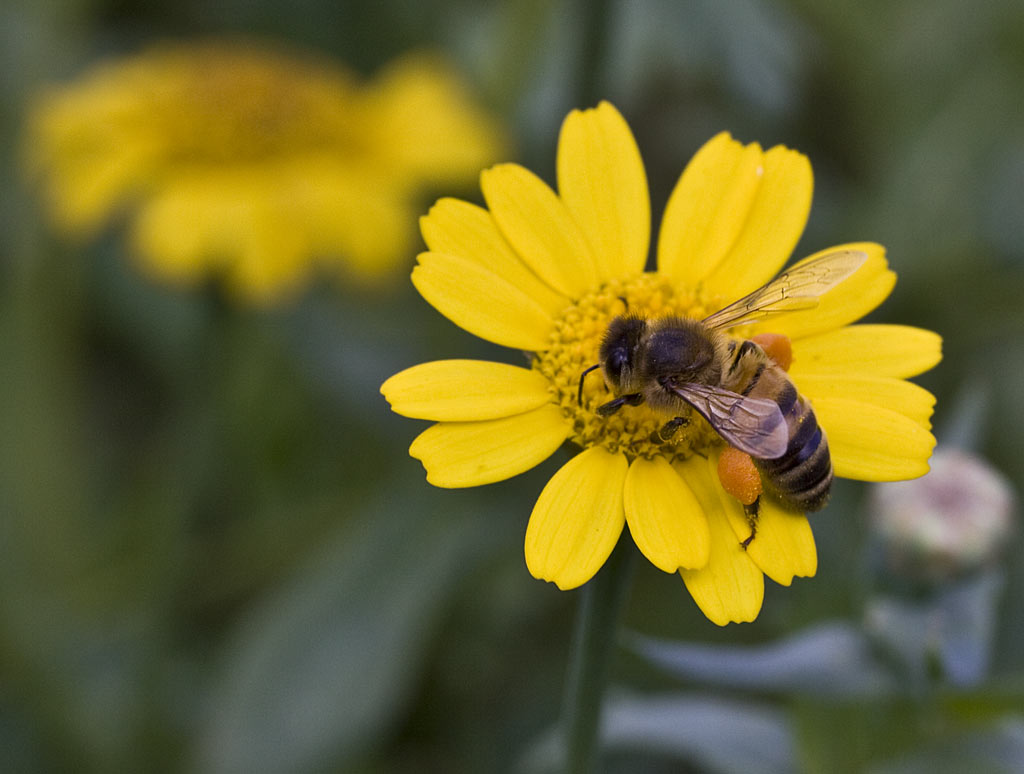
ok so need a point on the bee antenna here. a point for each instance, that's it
(579, 394)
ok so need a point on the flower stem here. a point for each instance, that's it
(597, 623)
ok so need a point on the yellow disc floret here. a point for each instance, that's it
(228, 103)
(575, 341)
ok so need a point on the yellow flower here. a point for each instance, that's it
(254, 164)
(546, 272)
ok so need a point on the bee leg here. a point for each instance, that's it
(740, 478)
(667, 430)
(752, 511)
(579, 393)
(609, 408)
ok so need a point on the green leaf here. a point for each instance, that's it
(995, 750)
(709, 733)
(321, 670)
(716, 734)
(833, 658)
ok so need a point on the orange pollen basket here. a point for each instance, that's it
(738, 475)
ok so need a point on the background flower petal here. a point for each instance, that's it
(540, 228)
(853, 298)
(602, 181)
(270, 263)
(730, 587)
(424, 123)
(461, 454)
(459, 228)
(236, 228)
(83, 191)
(356, 220)
(577, 519)
(879, 350)
(665, 519)
(481, 302)
(184, 255)
(872, 443)
(887, 392)
(465, 390)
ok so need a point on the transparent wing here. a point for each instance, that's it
(798, 288)
(752, 425)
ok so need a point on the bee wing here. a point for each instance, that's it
(798, 288)
(752, 425)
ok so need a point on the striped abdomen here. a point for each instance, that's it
(802, 476)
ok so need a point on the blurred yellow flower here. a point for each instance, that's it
(252, 164)
(546, 272)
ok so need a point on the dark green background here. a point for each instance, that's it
(215, 552)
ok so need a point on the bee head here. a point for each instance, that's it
(618, 353)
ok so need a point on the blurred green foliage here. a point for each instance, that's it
(215, 552)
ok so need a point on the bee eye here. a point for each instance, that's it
(616, 362)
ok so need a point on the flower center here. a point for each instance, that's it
(575, 341)
(229, 103)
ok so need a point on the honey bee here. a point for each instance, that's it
(675, 364)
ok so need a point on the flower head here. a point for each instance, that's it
(955, 519)
(252, 163)
(547, 272)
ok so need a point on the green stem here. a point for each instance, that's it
(597, 623)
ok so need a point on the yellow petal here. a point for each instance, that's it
(704, 214)
(602, 181)
(89, 190)
(357, 221)
(540, 228)
(730, 587)
(459, 228)
(271, 262)
(465, 390)
(771, 227)
(853, 298)
(481, 302)
(783, 546)
(667, 523)
(872, 443)
(420, 119)
(461, 454)
(85, 142)
(879, 350)
(735, 216)
(577, 519)
(228, 224)
(886, 392)
(169, 251)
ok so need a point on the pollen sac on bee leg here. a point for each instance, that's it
(738, 476)
(776, 346)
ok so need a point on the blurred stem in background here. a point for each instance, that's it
(599, 615)
(602, 599)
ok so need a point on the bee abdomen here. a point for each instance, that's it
(802, 476)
